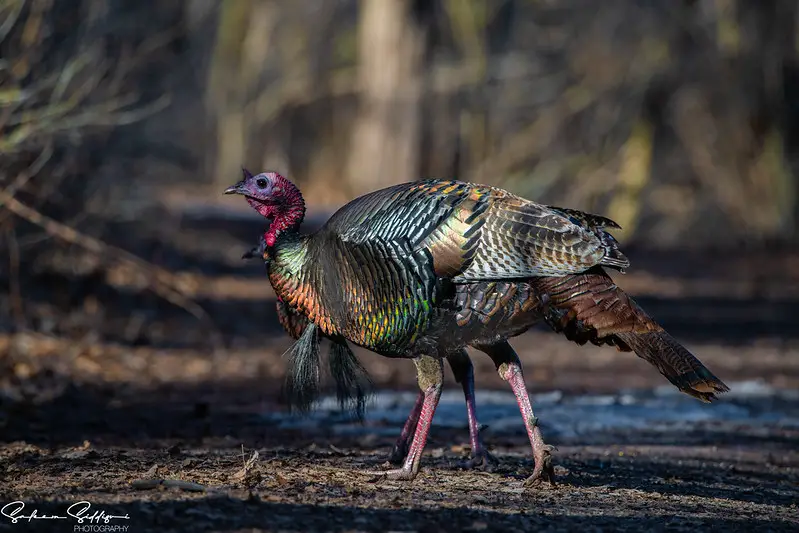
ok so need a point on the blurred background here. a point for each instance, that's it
(122, 121)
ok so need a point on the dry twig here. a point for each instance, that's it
(242, 474)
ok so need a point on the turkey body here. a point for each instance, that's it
(391, 270)
(424, 269)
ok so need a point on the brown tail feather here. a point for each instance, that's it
(676, 363)
(589, 307)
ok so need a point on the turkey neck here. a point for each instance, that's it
(291, 272)
(287, 214)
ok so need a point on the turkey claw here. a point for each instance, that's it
(482, 460)
(543, 471)
(398, 474)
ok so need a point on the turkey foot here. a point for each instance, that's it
(543, 471)
(480, 459)
(398, 474)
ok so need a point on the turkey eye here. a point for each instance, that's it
(261, 182)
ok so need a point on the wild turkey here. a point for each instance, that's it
(423, 269)
(353, 384)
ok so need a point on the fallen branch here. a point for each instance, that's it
(160, 281)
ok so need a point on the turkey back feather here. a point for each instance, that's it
(480, 233)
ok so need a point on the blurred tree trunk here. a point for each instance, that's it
(385, 140)
(769, 67)
(196, 14)
(634, 175)
(791, 117)
(240, 59)
(224, 95)
(199, 18)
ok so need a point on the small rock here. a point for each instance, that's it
(561, 471)
(80, 454)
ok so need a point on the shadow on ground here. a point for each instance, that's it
(229, 514)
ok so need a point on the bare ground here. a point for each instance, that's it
(627, 488)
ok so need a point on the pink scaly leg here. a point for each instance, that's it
(401, 447)
(463, 370)
(430, 376)
(510, 369)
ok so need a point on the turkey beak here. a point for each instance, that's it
(236, 189)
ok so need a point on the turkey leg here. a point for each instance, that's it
(401, 447)
(510, 369)
(430, 377)
(463, 370)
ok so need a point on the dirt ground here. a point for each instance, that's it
(738, 479)
(118, 400)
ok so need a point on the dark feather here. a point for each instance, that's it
(353, 385)
(292, 321)
(257, 251)
(586, 219)
(301, 385)
(677, 364)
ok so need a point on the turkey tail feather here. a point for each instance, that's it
(589, 307)
(353, 385)
(676, 363)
